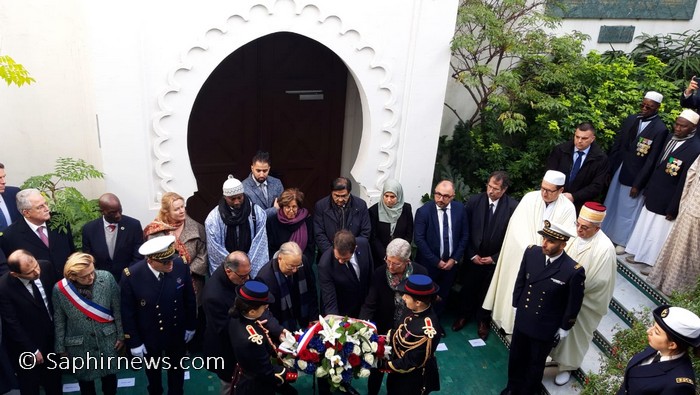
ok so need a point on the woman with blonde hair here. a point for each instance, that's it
(88, 321)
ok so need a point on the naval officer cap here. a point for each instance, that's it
(555, 231)
(681, 325)
(554, 177)
(161, 248)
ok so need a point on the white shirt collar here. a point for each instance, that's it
(35, 227)
(154, 271)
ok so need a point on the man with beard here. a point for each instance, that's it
(261, 188)
(236, 224)
(340, 210)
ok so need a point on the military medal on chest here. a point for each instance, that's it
(673, 166)
(643, 146)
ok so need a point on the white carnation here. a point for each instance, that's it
(356, 350)
(336, 379)
(366, 347)
(302, 364)
(374, 347)
(330, 352)
(339, 370)
(364, 372)
(369, 358)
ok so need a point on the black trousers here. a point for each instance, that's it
(109, 386)
(176, 376)
(477, 279)
(526, 363)
(445, 279)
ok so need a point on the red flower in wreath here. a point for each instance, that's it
(354, 360)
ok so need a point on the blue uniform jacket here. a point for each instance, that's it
(661, 378)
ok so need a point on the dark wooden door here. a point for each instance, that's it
(282, 93)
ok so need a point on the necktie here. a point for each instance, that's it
(42, 235)
(3, 221)
(547, 262)
(111, 227)
(577, 166)
(490, 213)
(38, 297)
(263, 188)
(160, 276)
(352, 269)
(657, 358)
(445, 236)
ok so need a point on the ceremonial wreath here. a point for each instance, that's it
(335, 347)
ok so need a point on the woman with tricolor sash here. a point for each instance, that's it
(88, 322)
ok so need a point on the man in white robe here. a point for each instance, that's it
(593, 250)
(546, 204)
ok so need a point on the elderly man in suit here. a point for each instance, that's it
(291, 280)
(340, 210)
(550, 275)
(489, 213)
(344, 275)
(27, 319)
(8, 206)
(584, 164)
(158, 310)
(262, 188)
(113, 239)
(34, 232)
(441, 235)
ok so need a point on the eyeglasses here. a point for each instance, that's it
(545, 190)
(290, 208)
(439, 195)
(243, 277)
(393, 264)
(582, 227)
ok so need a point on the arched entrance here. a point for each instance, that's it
(282, 93)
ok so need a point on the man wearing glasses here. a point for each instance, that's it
(218, 296)
(548, 203)
(158, 310)
(441, 234)
(340, 210)
(290, 279)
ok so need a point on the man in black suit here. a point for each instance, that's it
(291, 281)
(34, 234)
(344, 274)
(218, 296)
(441, 235)
(340, 210)
(639, 140)
(8, 205)
(113, 239)
(584, 164)
(547, 297)
(27, 320)
(488, 213)
(158, 310)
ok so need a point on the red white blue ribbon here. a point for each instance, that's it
(86, 306)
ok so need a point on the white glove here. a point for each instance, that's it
(562, 333)
(189, 335)
(515, 310)
(139, 351)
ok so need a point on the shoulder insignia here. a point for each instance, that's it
(686, 380)
(429, 329)
(127, 336)
(127, 272)
(578, 266)
(530, 246)
(254, 337)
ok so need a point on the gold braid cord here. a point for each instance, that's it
(403, 341)
(281, 374)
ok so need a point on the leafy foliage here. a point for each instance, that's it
(69, 208)
(13, 72)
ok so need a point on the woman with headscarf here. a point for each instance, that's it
(291, 223)
(664, 367)
(390, 218)
(87, 316)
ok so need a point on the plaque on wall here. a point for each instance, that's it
(616, 34)
(624, 9)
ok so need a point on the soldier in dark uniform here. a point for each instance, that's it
(664, 367)
(158, 310)
(412, 368)
(253, 346)
(547, 296)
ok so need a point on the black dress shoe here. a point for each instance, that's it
(459, 324)
(483, 330)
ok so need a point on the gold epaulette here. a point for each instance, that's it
(686, 380)
(577, 266)
(429, 329)
(254, 337)
(127, 272)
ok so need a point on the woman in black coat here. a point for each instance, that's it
(664, 367)
(390, 219)
(291, 223)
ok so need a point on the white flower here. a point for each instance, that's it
(374, 346)
(366, 347)
(364, 372)
(329, 334)
(369, 358)
(339, 370)
(356, 350)
(330, 352)
(302, 364)
(335, 360)
(336, 379)
(321, 372)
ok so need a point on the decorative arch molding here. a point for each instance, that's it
(376, 160)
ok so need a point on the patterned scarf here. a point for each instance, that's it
(286, 317)
(393, 280)
(158, 226)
